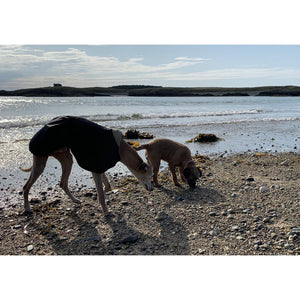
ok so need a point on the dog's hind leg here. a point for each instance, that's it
(101, 198)
(106, 183)
(66, 160)
(38, 167)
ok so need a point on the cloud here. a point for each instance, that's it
(25, 66)
(185, 58)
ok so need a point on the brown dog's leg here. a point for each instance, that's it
(99, 187)
(173, 173)
(66, 160)
(38, 167)
(154, 163)
(181, 175)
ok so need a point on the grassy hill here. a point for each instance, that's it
(150, 91)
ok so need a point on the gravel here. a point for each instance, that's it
(229, 213)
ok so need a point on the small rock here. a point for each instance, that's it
(296, 230)
(235, 228)
(263, 189)
(285, 163)
(273, 235)
(201, 251)
(239, 237)
(257, 242)
(264, 246)
(130, 239)
(250, 178)
(212, 214)
(88, 194)
(29, 248)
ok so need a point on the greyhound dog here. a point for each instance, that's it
(176, 155)
(95, 148)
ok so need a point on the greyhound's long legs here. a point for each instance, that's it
(101, 198)
(66, 160)
(106, 183)
(38, 167)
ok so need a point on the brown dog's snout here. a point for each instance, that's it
(192, 184)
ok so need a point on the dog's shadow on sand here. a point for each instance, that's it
(199, 195)
(125, 240)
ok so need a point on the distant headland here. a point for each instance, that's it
(57, 90)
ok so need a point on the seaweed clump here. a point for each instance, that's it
(133, 144)
(204, 138)
(135, 134)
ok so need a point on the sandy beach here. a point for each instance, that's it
(245, 204)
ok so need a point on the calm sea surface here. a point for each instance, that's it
(245, 123)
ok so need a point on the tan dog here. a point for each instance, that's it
(86, 133)
(176, 155)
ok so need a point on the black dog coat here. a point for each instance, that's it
(94, 146)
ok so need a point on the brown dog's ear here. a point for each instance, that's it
(186, 172)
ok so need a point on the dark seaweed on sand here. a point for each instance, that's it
(204, 138)
(135, 134)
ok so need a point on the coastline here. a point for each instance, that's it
(245, 204)
(155, 91)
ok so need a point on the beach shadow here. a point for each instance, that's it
(87, 242)
(172, 238)
(197, 196)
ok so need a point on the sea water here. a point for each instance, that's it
(254, 124)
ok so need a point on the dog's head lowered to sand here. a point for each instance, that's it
(191, 173)
(144, 175)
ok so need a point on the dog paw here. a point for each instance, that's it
(27, 212)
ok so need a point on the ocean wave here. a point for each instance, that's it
(139, 116)
(40, 121)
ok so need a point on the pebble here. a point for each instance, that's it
(212, 214)
(235, 228)
(285, 163)
(88, 194)
(295, 231)
(29, 248)
(263, 189)
(273, 235)
(250, 178)
(257, 242)
(130, 239)
(264, 246)
(201, 251)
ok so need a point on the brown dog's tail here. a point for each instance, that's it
(25, 170)
(145, 146)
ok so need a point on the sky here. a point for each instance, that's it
(28, 66)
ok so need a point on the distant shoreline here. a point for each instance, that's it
(155, 91)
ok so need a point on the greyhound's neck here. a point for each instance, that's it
(129, 157)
